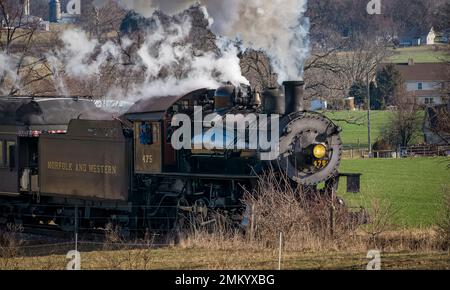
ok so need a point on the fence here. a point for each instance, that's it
(137, 255)
(425, 151)
(351, 152)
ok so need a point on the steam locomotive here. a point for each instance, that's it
(65, 163)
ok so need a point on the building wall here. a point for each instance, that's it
(412, 86)
(428, 93)
(430, 38)
(430, 100)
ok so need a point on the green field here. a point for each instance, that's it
(354, 126)
(420, 54)
(414, 187)
(355, 130)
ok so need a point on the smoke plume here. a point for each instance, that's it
(8, 72)
(278, 27)
(168, 63)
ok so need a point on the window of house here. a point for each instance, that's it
(420, 86)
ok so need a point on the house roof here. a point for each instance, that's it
(423, 71)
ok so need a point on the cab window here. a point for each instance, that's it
(2, 154)
(10, 159)
(146, 134)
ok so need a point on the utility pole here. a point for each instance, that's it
(368, 117)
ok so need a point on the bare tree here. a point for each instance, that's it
(406, 122)
(99, 22)
(333, 69)
(22, 49)
(256, 67)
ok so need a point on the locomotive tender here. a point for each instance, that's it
(64, 162)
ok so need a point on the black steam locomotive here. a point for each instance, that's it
(65, 163)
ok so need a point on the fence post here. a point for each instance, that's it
(279, 251)
(332, 209)
(76, 228)
(359, 148)
(252, 223)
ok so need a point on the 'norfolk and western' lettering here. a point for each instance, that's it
(82, 167)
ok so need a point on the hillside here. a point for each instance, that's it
(420, 54)
(354, 126)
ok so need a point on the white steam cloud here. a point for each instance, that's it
(278, 27)
(164, 50)
(168, 64)
(8, 71)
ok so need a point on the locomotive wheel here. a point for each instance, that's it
(301, 133)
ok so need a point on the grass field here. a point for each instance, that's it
(420, 54)
(355, 132)
(414, 187)
(176, 258)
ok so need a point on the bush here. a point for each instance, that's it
(405, 124)
(381, 145)
(10, 243)
(302, 216)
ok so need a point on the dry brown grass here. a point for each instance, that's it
(10, 243)
(304, 221)
(302, 218)
(276, 207)
(443, 230)
(233, 259)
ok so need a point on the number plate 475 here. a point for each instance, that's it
(148, 159)
(320, 163)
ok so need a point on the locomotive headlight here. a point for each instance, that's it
(320, 151)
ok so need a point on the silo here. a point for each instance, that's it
(26, 7)
(55, 10)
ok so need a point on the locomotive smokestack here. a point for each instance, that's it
(54, 10)
(293, 91)
(273, 101)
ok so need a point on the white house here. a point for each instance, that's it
(431, 37)
(427, 82)
(437, 37)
